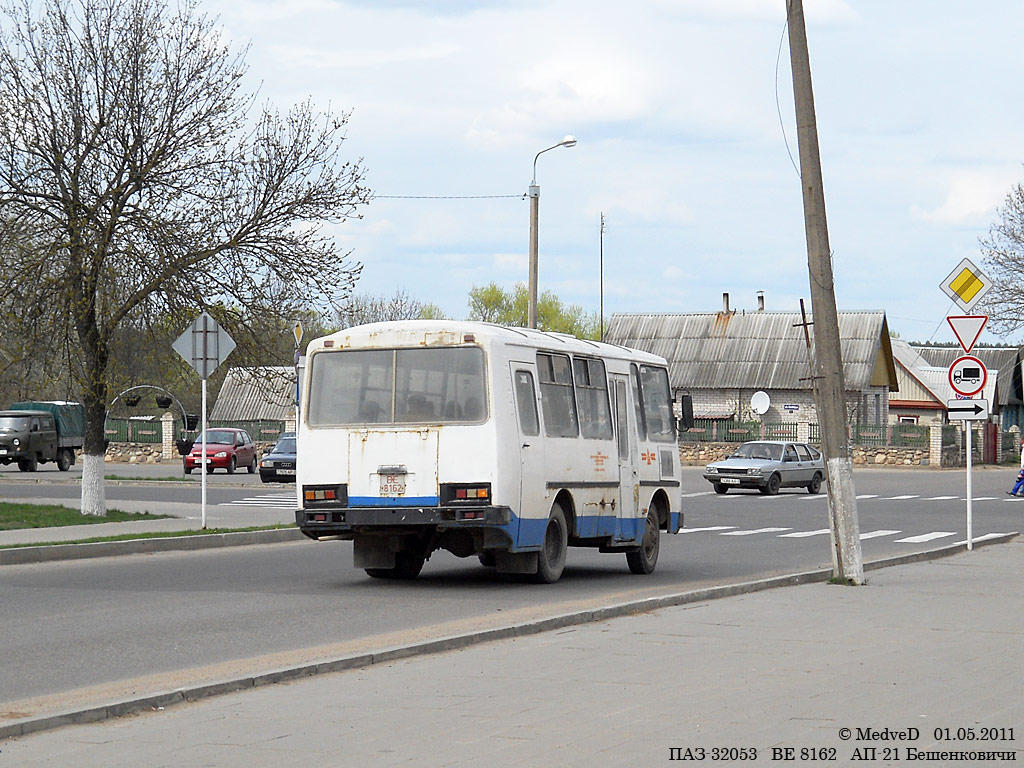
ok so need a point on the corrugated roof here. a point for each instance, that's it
(766, 350)
(250, 394)
(1005, 359)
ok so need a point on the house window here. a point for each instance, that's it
(905, 419)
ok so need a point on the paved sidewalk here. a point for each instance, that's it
(932, 649)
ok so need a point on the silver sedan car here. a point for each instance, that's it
(768, 465)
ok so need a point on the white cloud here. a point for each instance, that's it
(972, 197)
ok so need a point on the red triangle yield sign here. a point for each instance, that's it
(967, 329)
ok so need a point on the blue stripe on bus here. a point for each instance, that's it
(531, 530)
(393, 501)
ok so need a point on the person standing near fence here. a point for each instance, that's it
(1020, 475)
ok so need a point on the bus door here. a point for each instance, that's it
(533, 502)
(629, 481)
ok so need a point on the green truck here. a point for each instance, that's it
(37, 432)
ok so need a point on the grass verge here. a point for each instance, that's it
(16, 516)
(151, 535)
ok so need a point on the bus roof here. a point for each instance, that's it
(416, 333)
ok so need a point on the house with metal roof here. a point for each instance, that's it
(265, 393)
(1008, 398)
(924, 388)
(722, 358)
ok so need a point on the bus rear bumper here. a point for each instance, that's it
(345, 522)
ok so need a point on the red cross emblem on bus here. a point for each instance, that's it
(648, 456)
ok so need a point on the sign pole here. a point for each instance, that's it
(202, 426)
(970, 428)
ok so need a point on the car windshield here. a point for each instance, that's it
(14, 423)
(220, 437)
(285, 446)
(766, 451)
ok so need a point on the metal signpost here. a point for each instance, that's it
(966, 285)
(204, 345)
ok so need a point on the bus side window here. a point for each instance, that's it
(641, 423)
(526, 403)
(556, 393)
(592, 398)
(622, 419)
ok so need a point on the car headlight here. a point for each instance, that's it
(16, 442)
(266, 464)
(220, 455)
(754, 471)
(711, 469)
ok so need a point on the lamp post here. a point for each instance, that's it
(568, 141)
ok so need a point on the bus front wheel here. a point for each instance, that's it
(551, 558)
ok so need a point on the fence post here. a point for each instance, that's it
(935, 443)
(167, 426)
(803, 432)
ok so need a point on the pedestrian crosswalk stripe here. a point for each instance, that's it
(868, 496)
(926, 537)
(756, 530)
(803, 534)
(274, 500)
(986, 537)
(941, 498)
(876, 534)
(901, 498)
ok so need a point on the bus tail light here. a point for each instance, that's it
(459, 494)
(325, 495)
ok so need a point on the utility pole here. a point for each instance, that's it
(601, 314)
(827, 373)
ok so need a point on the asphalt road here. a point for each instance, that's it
(115, 621)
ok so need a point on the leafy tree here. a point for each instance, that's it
(147, 188)
(493, 304)
(361, 309)
(1003, 260)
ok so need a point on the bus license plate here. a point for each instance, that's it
(392, 485)
(730, 481)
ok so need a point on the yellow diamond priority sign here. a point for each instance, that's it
(966, 285)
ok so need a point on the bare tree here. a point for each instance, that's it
(1003, 261)
(148, 186)
(362, 309)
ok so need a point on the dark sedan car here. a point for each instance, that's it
(768, 465)
(279, 465)
(225, 449)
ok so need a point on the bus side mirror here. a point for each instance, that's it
(685, 420)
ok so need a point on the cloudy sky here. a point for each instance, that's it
(684, 114)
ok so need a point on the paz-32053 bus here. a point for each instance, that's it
(504, 443)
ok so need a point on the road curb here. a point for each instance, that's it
(164, 699)
(54, 552)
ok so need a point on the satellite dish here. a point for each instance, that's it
(760, 402)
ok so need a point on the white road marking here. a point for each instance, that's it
(876, 534)
(756, 530)
(986, 537)
(926, 537)
(901, 498)
(941, 498)
(868, 496)
(710, 528)
(803, 534)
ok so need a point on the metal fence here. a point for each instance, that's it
(730, 431)
(151, 430)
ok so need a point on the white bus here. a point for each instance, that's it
(504, 443)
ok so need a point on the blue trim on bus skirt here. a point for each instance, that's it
(393, 501)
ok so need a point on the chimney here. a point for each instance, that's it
(760, 301)
(725, 303)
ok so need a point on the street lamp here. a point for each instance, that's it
(568, 141)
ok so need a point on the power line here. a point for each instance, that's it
(442, 197)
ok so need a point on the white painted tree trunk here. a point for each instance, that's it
(94, 496)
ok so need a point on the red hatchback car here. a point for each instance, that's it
(225, 449)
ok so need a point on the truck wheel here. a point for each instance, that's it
(64, 460)
(28, 465)
(643, 560)
(551, 558)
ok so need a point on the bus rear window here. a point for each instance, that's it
(397, 386)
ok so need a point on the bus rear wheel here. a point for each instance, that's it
(408, 565)
(551, 558)
(645, 558)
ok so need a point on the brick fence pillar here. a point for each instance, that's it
(935, 444)
(167, 423)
